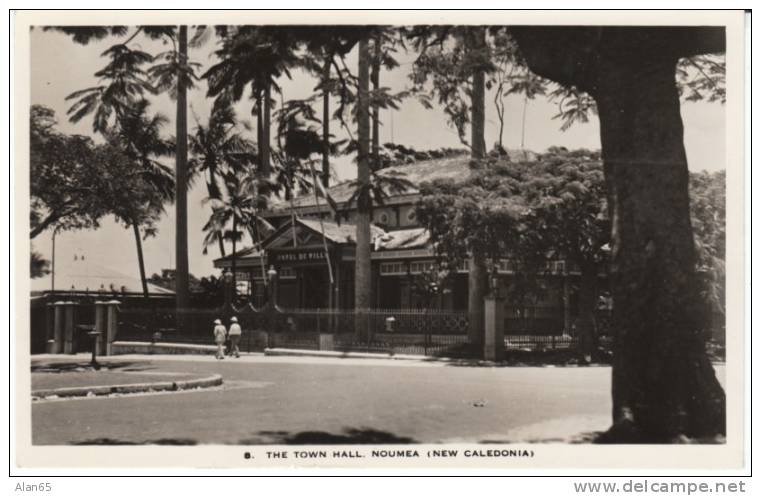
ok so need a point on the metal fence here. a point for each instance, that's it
(393, 331)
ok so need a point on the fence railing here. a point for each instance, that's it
(395, 331)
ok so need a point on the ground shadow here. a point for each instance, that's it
(107, 441)
(349, 436)
(69, 366)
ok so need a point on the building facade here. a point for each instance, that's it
(313, 256)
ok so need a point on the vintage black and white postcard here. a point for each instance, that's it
(267, 239)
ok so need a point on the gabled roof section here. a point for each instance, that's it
(334, 233)
(251, 251)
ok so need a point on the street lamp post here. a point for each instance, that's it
(271, 298)
(227, 278)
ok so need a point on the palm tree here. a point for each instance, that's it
(138, 136)
(176, 75)
(253, 57)
(127, 82)
(218, 149)
(122, 82)
(239, 208)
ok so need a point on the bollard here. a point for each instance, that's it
(494, 326)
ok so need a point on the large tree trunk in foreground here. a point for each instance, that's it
(363, 277)
(181, 173)
(663, 382)
(664, 386)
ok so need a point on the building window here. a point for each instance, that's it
(393, 269)
(411, 216)
(287, 273)
(420, 267)
(463, 266)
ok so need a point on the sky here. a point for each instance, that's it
(60, 67)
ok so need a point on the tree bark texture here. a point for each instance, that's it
(664, 385)
(181, 178)
(363, 276)
(663, 381)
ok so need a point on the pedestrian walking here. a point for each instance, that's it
(234, 335)
(220, 334)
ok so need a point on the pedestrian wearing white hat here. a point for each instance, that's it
(220, 334)
(234, 334)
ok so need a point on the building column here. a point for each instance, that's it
(58, 325)
(112, 325)
(68, 327)
(101, 324)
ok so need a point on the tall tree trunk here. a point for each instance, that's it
(325, 175)
(140, 260)
(375, 79)
(260, 129)
(363, 277)
(663, 382)
(478, 98)
(586, 324)
(235, 256)
(266, 120)
(477, 276)
(477, 287)
(181, 172)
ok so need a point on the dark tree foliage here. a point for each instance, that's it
(66, 191)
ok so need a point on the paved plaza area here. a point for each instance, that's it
(310, 400)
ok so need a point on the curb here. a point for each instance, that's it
(351, 354)
(158, 348)
(68, 392)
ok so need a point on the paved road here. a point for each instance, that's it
(281, 400)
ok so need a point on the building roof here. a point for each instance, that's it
(338, 233)
(455, 168)
(251, 251)
(82, 275)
